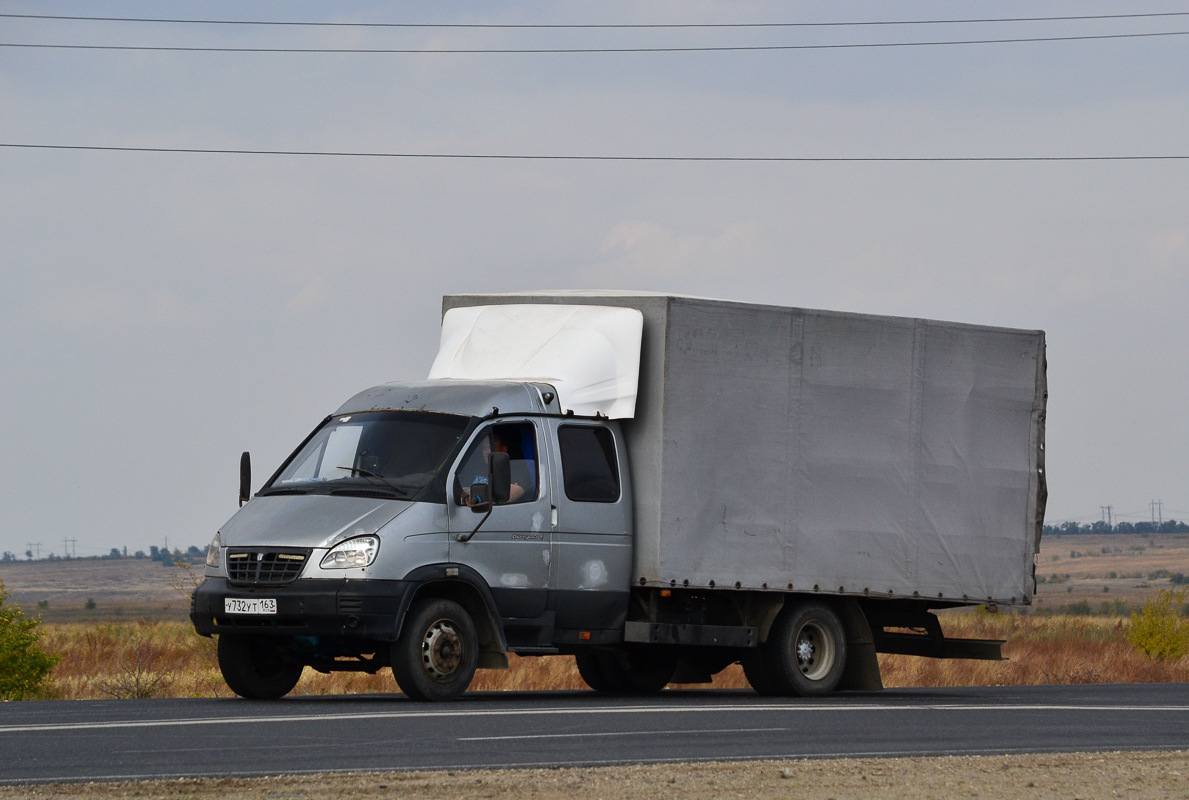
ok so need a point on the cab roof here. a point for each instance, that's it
(472, 398)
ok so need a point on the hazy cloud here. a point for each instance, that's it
(103, 310)
(637, 247)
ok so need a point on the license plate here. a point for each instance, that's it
(256, 605)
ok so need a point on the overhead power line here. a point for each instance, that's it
(489, 50)
(540, 157)
(597, 26)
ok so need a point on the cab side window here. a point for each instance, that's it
(589, 468)
(519, 441)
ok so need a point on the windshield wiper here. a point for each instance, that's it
(401, 493)
(283, 490)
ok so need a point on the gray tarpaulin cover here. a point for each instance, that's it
(842, 453)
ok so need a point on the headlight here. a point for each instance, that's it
(214, 555)
(357, 552)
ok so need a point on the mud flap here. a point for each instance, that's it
(861, 672)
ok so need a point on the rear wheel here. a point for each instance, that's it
(256, 667)
(437, 652)
(643, 670)
(805, 653)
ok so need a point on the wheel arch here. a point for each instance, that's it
(464, 586)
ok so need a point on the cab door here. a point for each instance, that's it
(592, 541)
(512, 548)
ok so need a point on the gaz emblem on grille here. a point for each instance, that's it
(260, 556)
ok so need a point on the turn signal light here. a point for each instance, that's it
(584, 635)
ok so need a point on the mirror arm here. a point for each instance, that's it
(466, 537)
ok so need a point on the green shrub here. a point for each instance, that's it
(90, 604)
(1158, 630)
(23, 665)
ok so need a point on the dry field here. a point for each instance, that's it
(142, 589)
(147, 650)
(122, 589)
(1061, 775)
(166, 659)
(1084, 565)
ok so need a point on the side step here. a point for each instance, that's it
(534, 650)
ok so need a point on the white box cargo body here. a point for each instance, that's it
(793, 449)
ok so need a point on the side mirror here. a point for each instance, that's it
(484, 496)
(245, 478)
(498, 487)
(479, 500)
(501, 477)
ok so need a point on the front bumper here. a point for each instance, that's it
(368, 609)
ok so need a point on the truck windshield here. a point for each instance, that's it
(384, 452)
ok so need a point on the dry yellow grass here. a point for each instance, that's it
(166, 659)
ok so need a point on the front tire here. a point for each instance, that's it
(805, 653)
(256, 668)
(435, 657)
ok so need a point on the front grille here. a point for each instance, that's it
(254, 566)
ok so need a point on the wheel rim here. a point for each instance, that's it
(814, 648)
(442, 650)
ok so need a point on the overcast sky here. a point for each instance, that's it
(160, 313)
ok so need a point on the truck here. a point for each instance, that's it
(657, 485)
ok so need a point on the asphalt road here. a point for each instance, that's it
(122, 739)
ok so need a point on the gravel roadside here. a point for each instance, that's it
(1064, 775)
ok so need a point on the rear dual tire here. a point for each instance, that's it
(804, 656)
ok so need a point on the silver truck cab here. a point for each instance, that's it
(372, 545)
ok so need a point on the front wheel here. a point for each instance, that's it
(256, 667)
(437, 652)
(805, 653)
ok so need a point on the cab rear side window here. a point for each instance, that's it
(589, 469)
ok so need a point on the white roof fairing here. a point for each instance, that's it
(589, 354)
